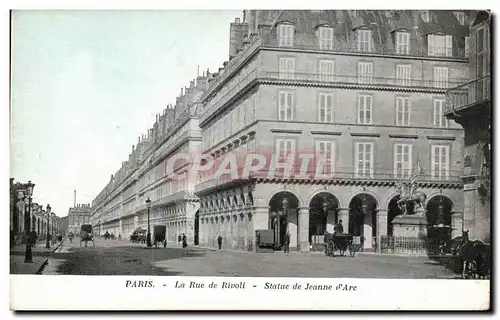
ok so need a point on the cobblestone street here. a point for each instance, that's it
(115, 257)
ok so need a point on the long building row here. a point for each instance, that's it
(365, 91)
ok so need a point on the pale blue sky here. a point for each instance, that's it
(86, 84)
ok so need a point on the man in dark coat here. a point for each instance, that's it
(287, 243)
(184, 241)
(219, 241)
(339, 229)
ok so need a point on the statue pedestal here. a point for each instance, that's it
(414, 225)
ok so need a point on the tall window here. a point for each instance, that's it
(364, 159)
(285, 35)
(364, 109)
(441, 77)
(440, 45)
(403, 106)
(467, 46)
(402, 160)
(403, 75)
(286, 68)
(402, 43)
(285, 148)
(460, 16)
(325, 38)
(365, 72)
(440, 120)
(482, 66)
(440, 168)
(285, 105)
(325, 150)
(425, 16)
(326, 70)
(364, 40)
(325, 109)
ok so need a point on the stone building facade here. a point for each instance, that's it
(363, 90)
(470, 106)
(21, 215)
(121, 207)
(78, 215)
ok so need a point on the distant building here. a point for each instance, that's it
(78, 215)
(470, 106)
(64, 223)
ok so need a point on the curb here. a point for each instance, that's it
(40, 270)
(59, 245)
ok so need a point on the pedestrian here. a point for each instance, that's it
(339, 229)
(184, 241)
(179, 238)
(219, 241)
(165, 243)
(287, 243)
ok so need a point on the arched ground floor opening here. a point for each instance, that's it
(283, 218)
(393, 211)
(439, 212)
(323, 215)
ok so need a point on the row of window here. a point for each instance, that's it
(364, 158)
(326, 107)
(231, 123)
(437, 44)
(365, 73)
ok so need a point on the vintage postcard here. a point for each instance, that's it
(318, 159)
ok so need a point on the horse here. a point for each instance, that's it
(476, 258)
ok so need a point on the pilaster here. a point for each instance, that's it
(381, 226)
(303, 217)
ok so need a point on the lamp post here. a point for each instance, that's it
(148, 236)
(47, 244)
(28, 255)
(53, 225)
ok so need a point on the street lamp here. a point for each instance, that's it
(28, 255)
(47, 244)
(148, 236)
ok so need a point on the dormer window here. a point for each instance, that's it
(425, 16)
(325, 36)
(439, 45)
(460, 15)
(402, 42)
(286, 34)
(364, 40)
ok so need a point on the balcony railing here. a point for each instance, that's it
(363, 80)
(211, 107)
(208, 181)
(343, 47)
(471, 93)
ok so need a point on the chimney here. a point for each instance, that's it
(74, 198)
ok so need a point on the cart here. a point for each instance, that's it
(86, 234)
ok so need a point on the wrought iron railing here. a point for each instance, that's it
(364, 80)
(209, 179)
(416, 245)
(313, 43)
(470, 93)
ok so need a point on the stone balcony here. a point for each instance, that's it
(473, 93)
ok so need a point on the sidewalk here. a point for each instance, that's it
(17, 265)
(38, 249)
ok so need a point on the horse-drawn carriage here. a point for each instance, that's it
(160, 233)
(138, 236)
(475, 256)
(86, 234)
(340, 243)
